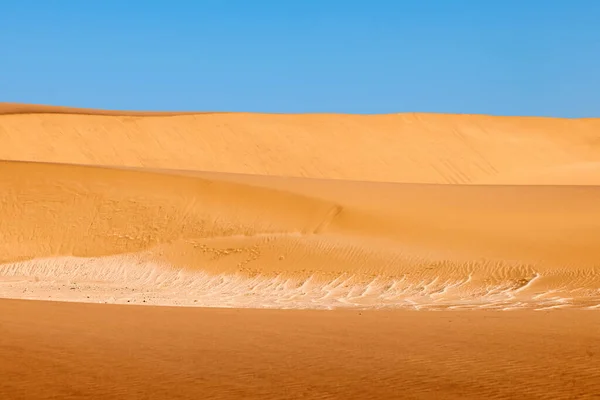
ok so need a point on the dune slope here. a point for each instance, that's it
(368, 215)
(168, 237)
(410, 148)
(299, 211)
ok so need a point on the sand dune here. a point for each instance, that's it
(346, 212)
(409, 148)
(241, 210)
(211, 239)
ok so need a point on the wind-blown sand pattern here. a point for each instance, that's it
(153, 209)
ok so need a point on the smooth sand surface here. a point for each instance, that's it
(350, 213)
(52, 350)
(417, 148)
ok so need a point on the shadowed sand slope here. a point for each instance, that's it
(83, 351)
(233, 240)
(417, 148)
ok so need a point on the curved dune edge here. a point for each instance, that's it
(406, 148)
(356, 243)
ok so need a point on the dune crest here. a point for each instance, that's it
(409, 148)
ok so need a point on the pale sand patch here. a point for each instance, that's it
(138, 280)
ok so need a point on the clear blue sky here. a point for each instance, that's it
(511, 57)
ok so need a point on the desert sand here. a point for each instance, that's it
(74, 351)
(380, 219)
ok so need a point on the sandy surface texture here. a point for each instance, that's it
(51, 350)
(310, 256)
(115, 235)
(143, 208)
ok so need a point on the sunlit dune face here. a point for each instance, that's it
(299, 211)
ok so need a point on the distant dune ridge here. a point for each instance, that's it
(423, 211)
(407, 148)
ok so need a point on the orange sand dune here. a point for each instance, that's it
(417, 148)
(294, 242)
(346, 212)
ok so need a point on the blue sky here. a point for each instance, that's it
(504, 57)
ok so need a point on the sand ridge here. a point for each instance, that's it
(409, 148)
(21, 108)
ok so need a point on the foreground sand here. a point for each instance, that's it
(54, 350)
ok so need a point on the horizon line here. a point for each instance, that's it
(13, 108)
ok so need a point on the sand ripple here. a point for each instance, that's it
(130, 280)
